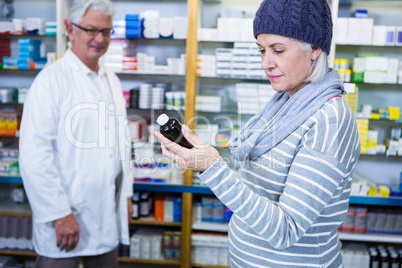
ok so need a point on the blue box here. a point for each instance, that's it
(177, 209)
(132, 17)
(132, 33)
(132, 24)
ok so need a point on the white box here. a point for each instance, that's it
(366, 31)
(379, 35)
(180, 25)
(398, 36)
(374, 77)
(392, 72)
(376, 64)
(354, 31)
(206, 34)
(341, 35)
(391, 36)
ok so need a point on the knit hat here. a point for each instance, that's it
(306, 20)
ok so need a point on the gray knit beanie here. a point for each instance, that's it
(306, 20)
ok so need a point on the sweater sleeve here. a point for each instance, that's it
(312, 180)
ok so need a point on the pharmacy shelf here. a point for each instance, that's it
(151, 221)
(398, 157)
(362, 200)
(371, 3)
(26, 35)
(376, 46)
(209, 226)
(17, 71)
(27, 253)
(195, 189)
(376, 201)
(172, 188)
(10, 180)
(381, 238)
(9, 208)
(165, 262)
(121, 259)
(235, 78)
(128, 73)
(209, 265)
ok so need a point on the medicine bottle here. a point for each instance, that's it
(136, 205)
(171, 129)
(145, 204)
(375, 261)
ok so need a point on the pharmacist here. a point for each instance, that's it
(296, 156)
(72, 149)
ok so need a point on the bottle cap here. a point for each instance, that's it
(162, 119)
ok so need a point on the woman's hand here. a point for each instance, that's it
(200, 157)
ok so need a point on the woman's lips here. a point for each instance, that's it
(274, 77)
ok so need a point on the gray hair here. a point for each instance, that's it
(319, 67)
(80, 8)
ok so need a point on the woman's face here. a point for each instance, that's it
(284, 62)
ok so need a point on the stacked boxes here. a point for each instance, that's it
(206, 65)
(133, 26)
(5, 49)
(35, 26)
(119, 27)
(10, 123)
(252, 97)
(211, 209)
(146, 244)
(375, 69)
(15, 233)
(209, 249)
(243, 61)
(362, 127)
(208, 103)
(353, 99)
(29, 51)
(51, 28)
(229, 29)
(362, 31)
(172, 245)
(150, 23)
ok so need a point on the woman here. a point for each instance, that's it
(297, 155)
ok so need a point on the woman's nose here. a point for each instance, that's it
(267, 62)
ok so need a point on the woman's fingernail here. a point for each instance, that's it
(185, 128)
(156, 133)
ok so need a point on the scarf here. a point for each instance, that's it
(282, 115)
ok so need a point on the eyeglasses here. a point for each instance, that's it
(94, 32)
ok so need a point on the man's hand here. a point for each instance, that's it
(129, 209)
(67, 232)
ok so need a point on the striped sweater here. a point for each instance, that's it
(289, 203)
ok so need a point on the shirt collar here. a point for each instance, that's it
(81, 67)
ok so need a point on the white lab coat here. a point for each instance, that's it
(65, 165)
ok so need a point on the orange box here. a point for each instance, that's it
(159, 205)
(10, 123)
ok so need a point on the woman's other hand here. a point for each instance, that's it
(200, 157)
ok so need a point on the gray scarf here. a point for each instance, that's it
(281, 116)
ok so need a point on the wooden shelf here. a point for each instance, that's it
(121, 259)
(152, 221)
(18, 252)
(209, 265)
(166, 262)
(12, 209)
(210, 226)
(368, 237)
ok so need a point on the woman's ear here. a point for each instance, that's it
(315, 52)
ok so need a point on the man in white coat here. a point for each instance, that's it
(73, 153)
